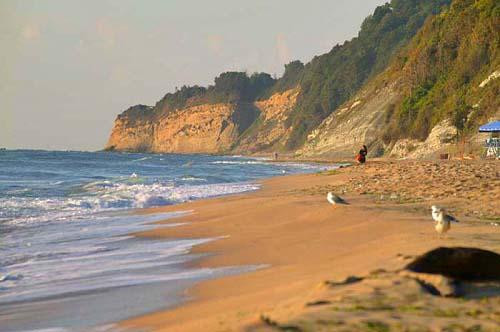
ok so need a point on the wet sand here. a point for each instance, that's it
(304, 241)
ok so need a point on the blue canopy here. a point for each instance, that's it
(490, 127)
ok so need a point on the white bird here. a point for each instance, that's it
(443, 220)
(435, 212)
(334, 199)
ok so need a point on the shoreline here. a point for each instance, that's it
(93, 264)
(306, 242)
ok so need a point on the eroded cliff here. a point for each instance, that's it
(360, 121)
(206, 128)
(364, 121)
(269, 131)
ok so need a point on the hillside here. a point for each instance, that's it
(442, 84)
(443, 69)
(257, 113)
(332, 78)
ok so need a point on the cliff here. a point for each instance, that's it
(257, 113)
(361, 120)
(419, 76)
(202, 128)
(269, 132)
(205, 128)
(437, 91)
(364, 121)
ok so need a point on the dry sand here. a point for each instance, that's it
(289, 225)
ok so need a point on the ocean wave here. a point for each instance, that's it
(10, 277)
(238, 162)
(109, 182)
(141, 159)
(305, 166)
(192, 178)
(101, 196)
(18, 191)
(285, 166)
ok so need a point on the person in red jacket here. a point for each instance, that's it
(361, 157)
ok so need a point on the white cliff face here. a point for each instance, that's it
(440, 138)
(363, 121)
(360, 121)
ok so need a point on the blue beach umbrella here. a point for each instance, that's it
(491, 127)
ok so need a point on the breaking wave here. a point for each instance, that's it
(101, 196)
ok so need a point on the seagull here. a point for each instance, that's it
(334, 199)
(435, 212)
(443, 220)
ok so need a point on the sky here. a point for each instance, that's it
(68, 67)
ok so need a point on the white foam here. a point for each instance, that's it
(63, 259)
(131, 192)
(102, 196)
(290, 165)
(238, 162)
(142, 159)
(193, 178)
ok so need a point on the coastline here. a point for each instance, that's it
(70, 260)
(304, 243)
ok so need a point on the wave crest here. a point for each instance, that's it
(101, 196)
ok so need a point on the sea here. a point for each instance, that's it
(68, 261)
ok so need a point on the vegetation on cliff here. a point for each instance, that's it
(137, 112)
(433, 56)
(442, 69)
(325, 82)
(228, 87)
(332, 78)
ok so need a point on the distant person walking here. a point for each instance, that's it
(276, 156)
(361, 157)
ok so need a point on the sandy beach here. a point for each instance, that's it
(310, 247)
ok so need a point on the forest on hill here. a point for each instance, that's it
(326, 81)
(442, 69)
(332, 78)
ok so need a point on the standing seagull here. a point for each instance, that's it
(435, 212)
(443, 220)
(334, 199)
